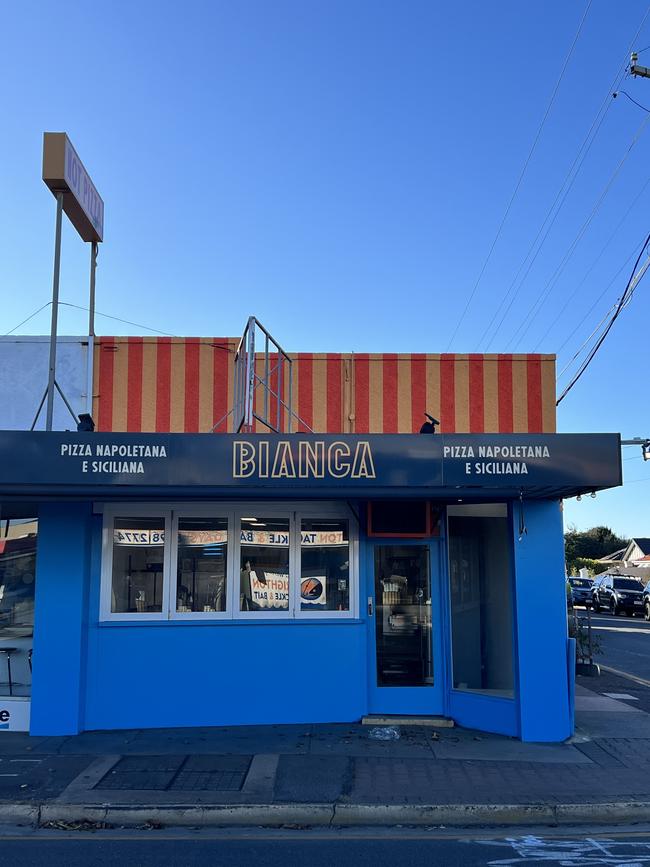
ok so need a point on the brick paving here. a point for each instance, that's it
(608, 761)
(408, 781)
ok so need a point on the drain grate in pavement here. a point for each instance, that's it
(177, 774)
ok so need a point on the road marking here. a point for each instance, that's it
(620, 629)
(633, 677)
(533, 849)
(9, 775)
(625, 695)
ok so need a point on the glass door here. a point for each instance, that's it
(403, 621)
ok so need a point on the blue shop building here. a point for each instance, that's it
(157, 580)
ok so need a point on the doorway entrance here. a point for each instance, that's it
(404, 629)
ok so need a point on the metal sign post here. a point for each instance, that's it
(91, 303)
(65, 175)
(49, 413)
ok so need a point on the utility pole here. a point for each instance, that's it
(635, 69)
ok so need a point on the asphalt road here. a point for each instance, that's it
(370, 848)
(625, 642)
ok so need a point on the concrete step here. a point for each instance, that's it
(438, 722)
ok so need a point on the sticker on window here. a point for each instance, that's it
(313, 590)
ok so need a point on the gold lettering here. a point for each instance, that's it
(243, 459)
(363, 465)
(263, 460)
(283, 466)
(311, 460)
(337, 465)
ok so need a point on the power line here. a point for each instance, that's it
(521, 174)
(625, 93)
(97, 312)
(632, 283)
(532, 314)
(599, 298)
(587, 143)
(572, 295)
(31, 316)
(561, 197)
(117, 319)
(587, 341)
(562, 194)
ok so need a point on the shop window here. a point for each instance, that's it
(17, 583)
(245, 562)
(137, 575)
(264, 564)
(202, 558)
(324, 565)
(480, 570)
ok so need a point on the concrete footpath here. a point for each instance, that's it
(298, 775)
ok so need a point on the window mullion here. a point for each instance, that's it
(232, 566)
(294, 564)
(171, 547)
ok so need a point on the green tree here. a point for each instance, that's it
(590, 545)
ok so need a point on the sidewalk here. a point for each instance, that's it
(339, 774)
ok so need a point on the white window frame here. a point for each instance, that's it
(200, 511)
(152, 510)
(265, 510)
(295, 512)
(311, 514)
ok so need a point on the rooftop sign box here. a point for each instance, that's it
(64, 172)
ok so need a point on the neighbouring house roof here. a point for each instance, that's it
(630, 553)
(614, 557)
(640, 572)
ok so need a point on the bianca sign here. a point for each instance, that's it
(317, 459)
(182, 466)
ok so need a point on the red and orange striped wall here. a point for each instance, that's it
(185, 384)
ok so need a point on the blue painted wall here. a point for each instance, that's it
(201, 674)
(89, 675)
(485, 712)
(541, 624)
(153, 676)
(60, 618)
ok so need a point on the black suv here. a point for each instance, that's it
(616, 594)
(581, 590)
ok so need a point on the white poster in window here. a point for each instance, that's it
(138, 537)
(270, 589)
(320, 538)
(313, 590)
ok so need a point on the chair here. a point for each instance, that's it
(8, 651)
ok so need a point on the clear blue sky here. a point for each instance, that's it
(339, 169)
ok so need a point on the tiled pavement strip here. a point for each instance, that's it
(607, 761)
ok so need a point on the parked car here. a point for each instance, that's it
(569, 595)
(581, 590)
(646, 601)
(598, 580)
(616, 594)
